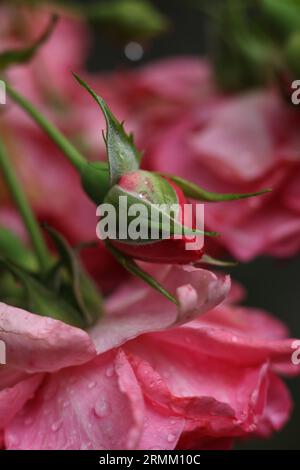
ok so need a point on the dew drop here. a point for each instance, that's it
(109, 372)
(101, 408)
(91, 385)
(171, 437)
(56, 426)
(85, 446)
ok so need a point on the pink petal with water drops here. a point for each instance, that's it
(12, 399)
(95, 406)
(227, 401)
(277, 410)
(136, 309)
(40, 344)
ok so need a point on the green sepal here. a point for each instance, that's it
(39, 299)
(130, 265)
(160, 219)
(95, 180)
(210, 261)
(13, 248)
(193, 191)
(123, 157)
(21, 56)
(76, 284)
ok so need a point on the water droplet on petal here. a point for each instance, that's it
(101, 408)
(91, 385)
(171, 437)
(109, 371)
(56, 426)
(85, 446)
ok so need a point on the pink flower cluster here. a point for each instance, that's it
(147, 376)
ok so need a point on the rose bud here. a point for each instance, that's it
(160, 223)
(121, 185)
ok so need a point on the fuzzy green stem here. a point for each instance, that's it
(72, 154)
(23, 206)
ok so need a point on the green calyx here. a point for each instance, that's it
(64, 292)
(193, 191)
(154, 201)
(123, 157)
(95, 180)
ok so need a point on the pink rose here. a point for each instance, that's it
(237, 144)
(138, 372)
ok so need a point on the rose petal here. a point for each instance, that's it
(226, 401)
(14, 398)
(40, 344)
(137, 309)
(95, 406)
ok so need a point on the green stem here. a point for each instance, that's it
(73, 155)
(24, 208)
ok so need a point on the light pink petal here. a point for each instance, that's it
(136, 309)
(14, 398)
(180, 79)
(262, 233)
(220, 397)
(245, 321)
(236, 294)
(233, 346)
(161, 431)
(237, 141)
(277, 410)
(95, 406)
(39, 344)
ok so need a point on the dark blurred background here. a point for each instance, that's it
(273, 285)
